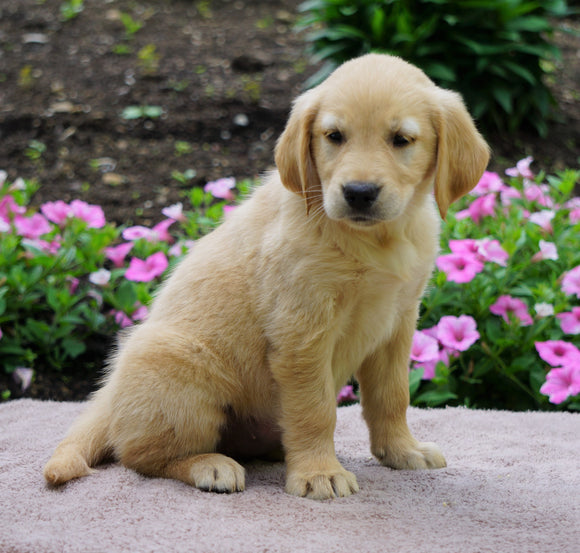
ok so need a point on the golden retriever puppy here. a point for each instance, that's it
(316, 278)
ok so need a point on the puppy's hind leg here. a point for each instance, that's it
(85, 445)
(170, 424)
(187, 457)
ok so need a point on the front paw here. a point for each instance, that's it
(322, 484)
(412, 456)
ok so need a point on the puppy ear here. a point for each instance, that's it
(462, 153)
(293, 151)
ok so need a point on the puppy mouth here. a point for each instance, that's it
(364, 220)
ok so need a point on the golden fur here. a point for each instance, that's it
(306, 284)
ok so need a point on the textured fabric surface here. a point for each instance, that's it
(511, 485)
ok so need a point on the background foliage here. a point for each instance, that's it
(494, 52)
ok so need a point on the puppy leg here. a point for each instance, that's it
(169, 410)
(308, 421)
(384, 382)
(167, 455)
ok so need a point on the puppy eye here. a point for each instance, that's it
(335, 137)
(400, 141)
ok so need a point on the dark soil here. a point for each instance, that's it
(224, 74)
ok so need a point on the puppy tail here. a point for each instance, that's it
(85, 446)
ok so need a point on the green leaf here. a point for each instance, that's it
(504, 99)
(415, 377)
(434, 398)
(73, 347)
(127, 296)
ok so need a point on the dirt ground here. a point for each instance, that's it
(212, 81)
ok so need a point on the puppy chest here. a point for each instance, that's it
(369, 319)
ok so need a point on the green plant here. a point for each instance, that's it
(510, 251)
(148, 59)
(35, 150)
(500, 322)
(132, 26)
(183, 178)
(142, 112)
(26, 77)
(67, 276)
(491, 51)
(182, 148)
(203, 8)
(71, 9)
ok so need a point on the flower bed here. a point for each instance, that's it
(499, 326)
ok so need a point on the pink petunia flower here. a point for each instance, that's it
(8, 207)
(506, 305)
(562, 383)
(522, 169)
(160, 231)
(558, 352)
(571, 282)
(121, 318)
(23, 377)
(491, 250)
(140, 314)
(18, 184)
(100, 277)
(73, 284)
(507, 194)
(181, 248)
(544, 309)
(575, 216)
(488, 183)
(145, 271)
(467, 246)
(137, 232)
(229, 209)
(459, 267)
(538, 193)
(221, 188)
(118, 253)
(548, 250)
(543, 219)
(424, 347)
(570, 321)
(4, 226)
(32, 227)
(156, 234)
(174, 212)
(458, 333)
(58, 212)
(42, 245)
(481, 207)
(92, 214)
(346, 394)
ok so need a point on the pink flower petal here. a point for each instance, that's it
(558, 352)
(570, 322)
(145, 271)
(457, 333)
(32, 227)
(424, 347)
(92, 214)
(117, 254)
(571, 282)
(459, 267)
(506, 305)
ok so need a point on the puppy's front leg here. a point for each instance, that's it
(308, 420)
(384, 384)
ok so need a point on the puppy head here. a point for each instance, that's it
(375, 136)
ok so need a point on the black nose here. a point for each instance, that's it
(360, 196)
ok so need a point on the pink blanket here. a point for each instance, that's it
(512, 485)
